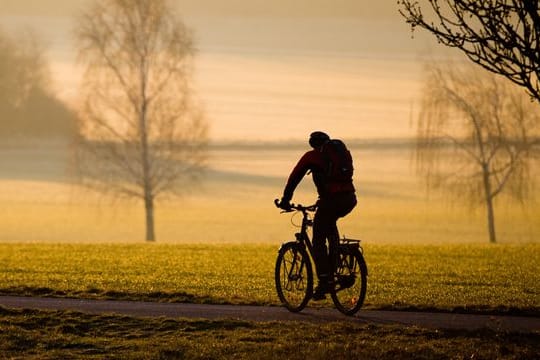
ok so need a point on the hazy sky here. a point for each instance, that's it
(274, 69)
(274, 8)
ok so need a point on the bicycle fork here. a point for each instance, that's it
(295, 272)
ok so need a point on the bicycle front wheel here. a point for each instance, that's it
(350, 281)
(294, 276)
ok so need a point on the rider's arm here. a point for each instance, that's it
(304, 164)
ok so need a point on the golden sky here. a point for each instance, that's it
(274, 8)
(273, 69)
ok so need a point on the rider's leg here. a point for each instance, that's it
(324, 227)
(323, 223)
(345, 203)
(333, 242)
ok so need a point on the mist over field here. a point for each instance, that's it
(234, 202)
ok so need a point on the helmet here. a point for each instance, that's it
(317, 139)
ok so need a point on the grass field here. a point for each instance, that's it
(474, 278)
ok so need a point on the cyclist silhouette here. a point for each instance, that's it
(337, 198)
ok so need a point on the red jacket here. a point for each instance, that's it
(313, 161)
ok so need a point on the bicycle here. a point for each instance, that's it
(294, 270)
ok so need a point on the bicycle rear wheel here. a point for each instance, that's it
(350, 280)
(294, 276)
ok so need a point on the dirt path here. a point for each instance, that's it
(263, 313)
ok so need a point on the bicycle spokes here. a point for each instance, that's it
(294, 277)
(351, 280)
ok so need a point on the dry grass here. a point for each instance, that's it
(27, 334)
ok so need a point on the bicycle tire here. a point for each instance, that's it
(350, 287)
(293, 276)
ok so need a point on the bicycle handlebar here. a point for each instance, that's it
(297, 207)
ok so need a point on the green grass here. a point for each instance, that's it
(469, 278)
(30, 334)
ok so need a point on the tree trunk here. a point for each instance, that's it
(489, 205)
(149, 209)
(144, 130)
(491, 220)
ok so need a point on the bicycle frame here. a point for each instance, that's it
(302, 236)
(333, 244)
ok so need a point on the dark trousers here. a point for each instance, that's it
(330, 209)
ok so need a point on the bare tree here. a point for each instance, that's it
(475, 136)
(503, 36)
(141, 137)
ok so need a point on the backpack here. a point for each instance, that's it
(339, 163)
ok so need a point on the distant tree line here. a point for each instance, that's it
(28, 107)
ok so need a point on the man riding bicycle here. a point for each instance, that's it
(332, 174)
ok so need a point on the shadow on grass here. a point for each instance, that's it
(76, 335)
(469, 309)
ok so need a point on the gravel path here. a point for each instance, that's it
(265, 313)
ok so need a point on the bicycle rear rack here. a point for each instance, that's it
(350, 243)
(346, 241)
